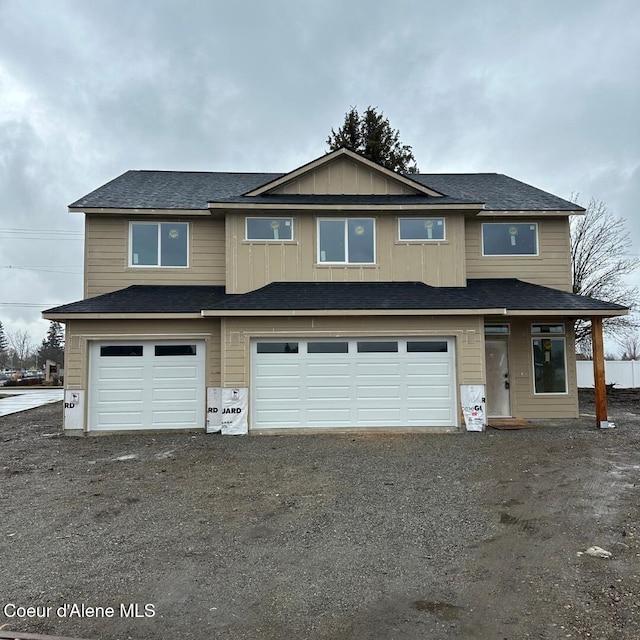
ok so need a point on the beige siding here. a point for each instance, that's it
(344, 177)
(551, 268)
(107, 255)
(251, 265)
(467, 331)
(524, 402)
(80, 332)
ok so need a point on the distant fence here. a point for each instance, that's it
(621, 373)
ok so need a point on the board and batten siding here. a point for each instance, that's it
(343, 176)
(551, 268)
(107, 255)
(253, 264)
(79, 332)
(237, 334)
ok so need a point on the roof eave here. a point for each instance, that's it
(250, 206)
(537, 213)
(61, 317)
(226, 313)
(121, 211)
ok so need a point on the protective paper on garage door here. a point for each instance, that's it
(227, 410)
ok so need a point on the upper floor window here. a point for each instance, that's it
(269, 229)
(509, 239)
(346, 241)
(159, 244)
(421, 229)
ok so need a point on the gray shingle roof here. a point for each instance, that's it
(194, 190)
(148, 299)
(507, 293)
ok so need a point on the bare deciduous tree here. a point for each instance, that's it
(20, 347)
(600, 260)
(630, 344)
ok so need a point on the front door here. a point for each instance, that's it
(498, 394)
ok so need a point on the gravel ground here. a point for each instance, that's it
(324, 537)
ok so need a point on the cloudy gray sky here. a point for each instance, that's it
(546, 91)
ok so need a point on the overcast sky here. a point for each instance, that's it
(546, 91)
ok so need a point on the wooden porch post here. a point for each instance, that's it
(600, 386)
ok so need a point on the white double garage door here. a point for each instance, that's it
(297, 383)
(363, 382)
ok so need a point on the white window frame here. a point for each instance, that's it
(246, 229)
(510, 255)
(346, 240)
(423, 240)
(157, 224)
(549, 336)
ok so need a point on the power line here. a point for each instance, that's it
(26, 230)
(37, 305)
(76, 270)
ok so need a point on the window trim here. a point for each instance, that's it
(345, 220)
(158, 225)
(510, 255)
(423, 240)
(270, 240)
(541, 336)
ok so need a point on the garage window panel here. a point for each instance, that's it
(277, 347)
(175, 350)
(121, 351)
(430, 346)
(328, 347)
(377, 346)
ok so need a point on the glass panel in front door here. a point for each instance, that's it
(498, 393)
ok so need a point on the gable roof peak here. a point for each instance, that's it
(346, 155)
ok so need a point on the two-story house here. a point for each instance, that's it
(341, 294)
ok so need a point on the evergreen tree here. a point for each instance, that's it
(371, 135)
(52, 347)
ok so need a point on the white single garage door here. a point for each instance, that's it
(146, 385)
(356, 382)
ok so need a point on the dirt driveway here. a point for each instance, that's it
(322, 537)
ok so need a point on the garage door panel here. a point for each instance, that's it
(328, 393)
(119, 420)
(171, 395)
(334, 417)
(277, 393)
(279, 418)
(119, 395)
(336, 369)
(380, 416)
(173, 419)
(376, 368)
(380, 393)
(120, 374)
(176, 373)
